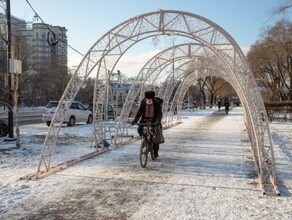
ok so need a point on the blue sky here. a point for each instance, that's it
(87, 20)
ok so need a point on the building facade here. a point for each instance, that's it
(30, 43)
(44, 65)
(38, 49)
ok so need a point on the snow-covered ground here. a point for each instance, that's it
(204, 171)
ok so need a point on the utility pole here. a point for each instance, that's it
(10, 92)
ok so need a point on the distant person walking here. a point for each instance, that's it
(219, 105)
(227, 104)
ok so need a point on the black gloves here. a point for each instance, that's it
(133, 122)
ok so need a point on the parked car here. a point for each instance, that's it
(110, 110)
(4, 129)
(77, 113)
(191, 105)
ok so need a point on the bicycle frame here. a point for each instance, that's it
(146, 143)
(147, 130)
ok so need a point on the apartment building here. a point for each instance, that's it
(31, 41)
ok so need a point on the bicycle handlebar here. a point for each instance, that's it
(147, 123)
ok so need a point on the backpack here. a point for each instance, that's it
(159, 100)
(158, 135)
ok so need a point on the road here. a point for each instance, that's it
(26, 118)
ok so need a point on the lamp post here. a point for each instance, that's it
(10, 96)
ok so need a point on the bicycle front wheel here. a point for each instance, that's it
(143, 153)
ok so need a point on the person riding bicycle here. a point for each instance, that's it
(150, 110)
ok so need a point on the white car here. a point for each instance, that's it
(77, 113)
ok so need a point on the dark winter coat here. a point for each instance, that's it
(157, 102)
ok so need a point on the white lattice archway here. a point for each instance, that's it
(104, 55)
(191, 57)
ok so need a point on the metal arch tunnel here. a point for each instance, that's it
(189, 62)
(191, 56)
(189, 72)
(213, 43)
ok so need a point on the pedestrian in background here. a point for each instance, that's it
(219, 105)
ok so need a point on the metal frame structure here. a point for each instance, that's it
(210, 47)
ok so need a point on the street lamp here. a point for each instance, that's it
(10, 96)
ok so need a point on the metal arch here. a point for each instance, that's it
(241, 97)
(96, 57)
(195, 65)
(104, 54)
(192, 67)
(177, 78)
(214, 72)
(190, 80)
(172, 79)
(186, 85)
(153, 67)
(156, 65)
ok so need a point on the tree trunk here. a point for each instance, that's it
(16, 117)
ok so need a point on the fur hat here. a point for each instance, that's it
(149, 94)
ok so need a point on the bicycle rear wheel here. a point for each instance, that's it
(143, 153)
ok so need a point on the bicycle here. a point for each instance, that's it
(146, 146)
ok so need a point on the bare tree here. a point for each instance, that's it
(282, 8)
(3, 59)
(202, 85)
(85, 94)
(271, 61)
(216, 86)
(3, 72)
(45, 83)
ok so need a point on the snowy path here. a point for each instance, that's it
(204, 171)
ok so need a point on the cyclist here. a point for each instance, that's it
(150, 110)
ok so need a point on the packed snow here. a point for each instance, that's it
(205, 170)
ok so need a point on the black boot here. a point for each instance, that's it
(156, 154)
(156, 149)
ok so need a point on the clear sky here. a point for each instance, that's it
(87, 20)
